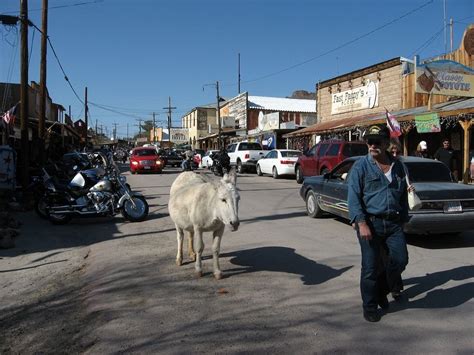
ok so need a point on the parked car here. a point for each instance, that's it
(325, 155)
(278, 162)
(447, 207)
(206, 161)
(145, 159)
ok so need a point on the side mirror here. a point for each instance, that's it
(327, 176)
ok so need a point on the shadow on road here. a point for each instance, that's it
(274, 217)
(437, 297)
(281, 259)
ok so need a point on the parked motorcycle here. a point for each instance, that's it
(89, 193)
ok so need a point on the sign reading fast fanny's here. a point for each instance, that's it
(363, 97)
(444, 77)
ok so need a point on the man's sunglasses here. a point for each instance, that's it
(374, 141)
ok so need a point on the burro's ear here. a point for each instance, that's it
(230, 178)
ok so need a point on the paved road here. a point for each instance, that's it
(291, 285)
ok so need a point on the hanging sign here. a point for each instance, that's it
(428, 123)
(444, 77)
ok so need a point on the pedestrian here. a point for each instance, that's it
(378, 208)
(446, 155)
(395, 150)
(422, 150)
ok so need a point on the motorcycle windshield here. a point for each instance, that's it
(78, 181)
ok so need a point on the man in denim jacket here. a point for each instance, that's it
(378, 208)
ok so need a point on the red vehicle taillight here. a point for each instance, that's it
(247, 156)
(286, 161)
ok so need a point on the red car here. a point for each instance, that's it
(325, 155)
(145, 159)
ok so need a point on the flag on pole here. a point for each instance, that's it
(10, 116)
(393, 125)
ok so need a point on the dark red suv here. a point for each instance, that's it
(325, 155)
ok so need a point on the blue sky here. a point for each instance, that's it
(132, 55)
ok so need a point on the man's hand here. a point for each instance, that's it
(364, 231)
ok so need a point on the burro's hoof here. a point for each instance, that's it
(218, 275)
(198, 274)
(192, 257)
(179, 262)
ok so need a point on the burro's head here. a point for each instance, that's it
(228, 200)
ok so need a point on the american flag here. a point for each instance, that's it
(10, 116)
(393, 125)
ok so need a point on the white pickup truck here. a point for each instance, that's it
(245, 155)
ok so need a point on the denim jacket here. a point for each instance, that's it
(370, 192)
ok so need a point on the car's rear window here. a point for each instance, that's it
(290, 154)
(250, 146)
(428, 172)
(145, 152)
(353, 150)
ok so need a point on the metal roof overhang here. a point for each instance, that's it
(456, 107)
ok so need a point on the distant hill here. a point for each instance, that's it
(303, 94)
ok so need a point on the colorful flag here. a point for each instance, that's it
(10, 116)
(393, 125)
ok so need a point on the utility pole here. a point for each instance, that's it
(127, 132)
(139, 127)
(25, 146)
(154, 128)
(70, 115)
(219, 143)
(86, 119)
(42, 108)
(169, 108)
(451, 28)
(114, 132)
(96, 122)
(239, 73)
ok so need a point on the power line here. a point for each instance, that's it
(345, 44)
(60, 6)
(427, 43)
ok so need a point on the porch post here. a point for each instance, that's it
(466, 126)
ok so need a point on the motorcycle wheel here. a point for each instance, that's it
(40, 207)
(59, 219)
(137, 213)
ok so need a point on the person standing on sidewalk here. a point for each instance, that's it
(446, 155)
(378, 208)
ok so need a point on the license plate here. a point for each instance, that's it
(146, 167)
(452, 207)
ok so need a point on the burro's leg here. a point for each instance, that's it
(200, 248)
(216, 245)
(192, 253)
(179, 236)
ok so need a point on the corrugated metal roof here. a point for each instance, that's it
(281, 104)
(401, 115)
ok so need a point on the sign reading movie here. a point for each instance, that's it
(179, 135)
(363, 97)
(444, 77)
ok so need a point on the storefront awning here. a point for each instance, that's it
(457, 107)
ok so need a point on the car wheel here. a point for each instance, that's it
(259, 171)
(299, 175)
(240, 167)
(275, 173)
(312, 206)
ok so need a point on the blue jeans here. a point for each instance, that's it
(378, 278)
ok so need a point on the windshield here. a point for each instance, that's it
(145, 152)
(352, 150)
(250, 146)
(428, 172)
(290, 154)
